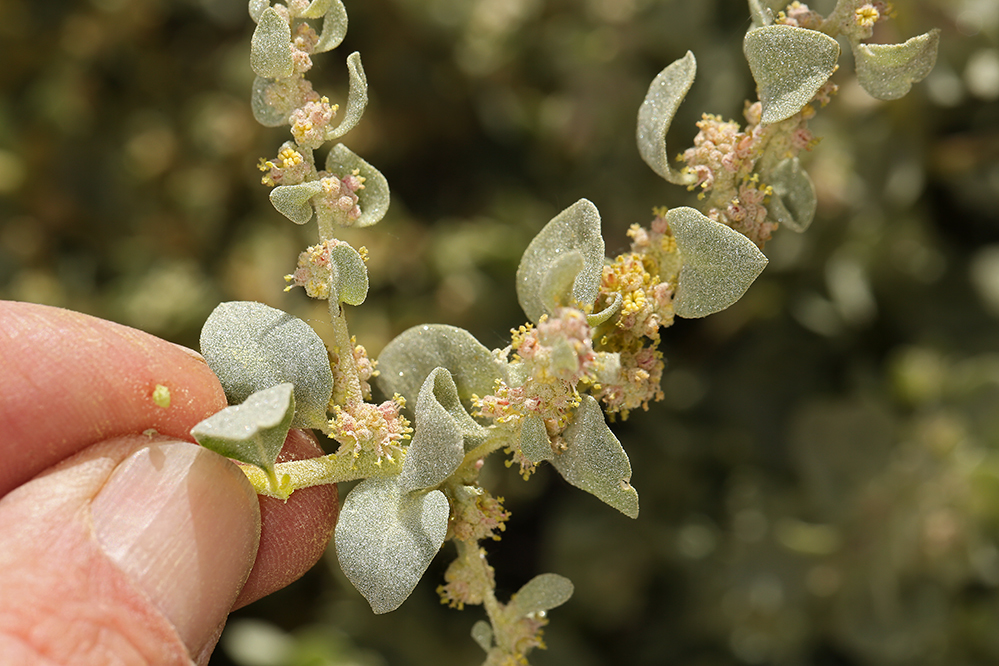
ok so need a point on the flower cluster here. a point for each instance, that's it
(290, 167)
(337, 201)
(477, 515)
(466, 583)
(800, 16)
(362, 426)
(637, 383)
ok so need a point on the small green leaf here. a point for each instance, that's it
(293, 201)
(557, 285)
(887, 71)
(374, 198)
(541, 593)
(576, 229)
(598, 318)
(251, 346)
(317, 9)
(257, 8)
(270, 47)
(439, 439)
(595, 461)
(719, 263)
(793, 202)
(534, 441)
(789, 65)
(482, 634)
(386, 538)
(334, 28)
(271, 102)
(357, 98)
(408, 359)
(253, 432)
(655, 115)
(349, 274)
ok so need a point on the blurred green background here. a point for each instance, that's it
(820, 485)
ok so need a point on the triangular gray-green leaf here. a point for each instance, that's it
(373, 199)
(887, 71)
(793, 202)
(386, 538)
(719, 263)
(442, 425)
(576, 229)
(251, 346)
(595, 461)
(411, 356)
(656, 113)
(789, 65)
(270, 47)
(541, 593)
(293, 201)
(253, 432)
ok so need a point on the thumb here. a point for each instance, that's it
(131, 551)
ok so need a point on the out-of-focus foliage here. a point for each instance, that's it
(821, 483)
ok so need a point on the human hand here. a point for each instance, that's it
(118, 545)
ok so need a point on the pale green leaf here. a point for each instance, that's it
(271, 102)
(541, 593)
(373, 199)
(257, 7)
(357, 98)
(598, 318)
(293, 201)
(595, 461)
(349, 274)
(793, 202)
(270, 47)
(317, 9)
(482, 634)
(719, 263)
(887, 71)
(534, 441)
(408, 359)
(439, 438)
(576, 229)
(334, 28)
(253, 432)
(251, 346)
(789, 65)
(761, 13)
(386, 538)
(558, 282)
(656, 113)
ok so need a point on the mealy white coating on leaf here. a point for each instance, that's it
(350, 275)
(789, 65)
(719, 263)
(386, 538)
(482, 634)
(557, 285)
(887, 71)
(292, 201)
(597, 318)
(577, 228)
(438, 445)
(270, 47)
(374, 199)
(793, 203)
(263, 112)
(595, 461)
(253, 432)
(257, 7)
(357, 98)
(316, 9)
(534, 441)
(655, 115)
(334, 27)
(541, 593)
(251, 346)
(410, 357)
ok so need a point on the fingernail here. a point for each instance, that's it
(190, 352)
(184, 524)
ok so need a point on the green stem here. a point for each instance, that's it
(325, 470)
(347, 390)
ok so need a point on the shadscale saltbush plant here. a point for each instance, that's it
(590, 346)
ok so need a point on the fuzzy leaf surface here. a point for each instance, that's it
(349, 274)
(655, 115)
(595, 461)
(257, 7)
(719, 263)
(541, 593)
(253, 432)
(793, 203)
(789, 65)
(334, 27)
(357, 97)
(293, 201)
(534, 441)
(411, 356)
(373, 199)
(442, 425)
(576, 229)
(887, 71)
(482, 634)
(252, 346)
(386, 538)
(270, 47)
(270, 110)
